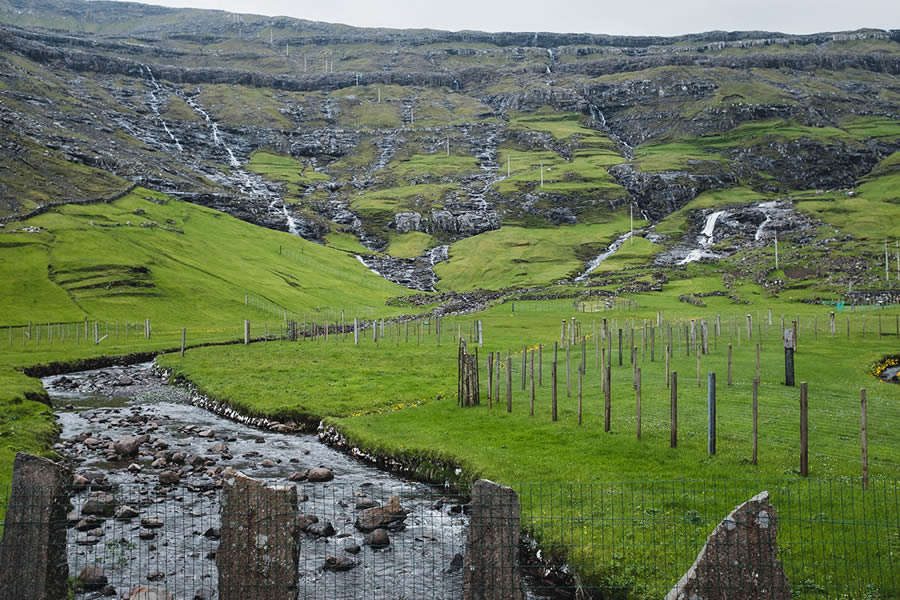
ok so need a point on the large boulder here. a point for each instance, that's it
(382, 516)
(126, 446)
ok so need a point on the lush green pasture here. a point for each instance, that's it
(518, 256)
(370, 392)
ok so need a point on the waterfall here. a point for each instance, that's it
(154, 106)
(603, 256)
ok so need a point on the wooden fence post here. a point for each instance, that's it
(638, 396)
(865, 439)
(541, 365)
(711, 412)
(524, 365)
(757, 361)
(183, 335)
(508, 381)
(490, 379)
(804, 431)
(667, 366)
(755, 419)
(553, 390)
(146, 328)
(532, 383)
(580, 373)
(246, 331)
(607, 395)
(673, 410)
(788, 358)
(568, 371)
(729, 365)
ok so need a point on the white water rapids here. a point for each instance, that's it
(706, 239)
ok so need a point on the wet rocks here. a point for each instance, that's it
(125, 513)
(339, 563)
(145, 592)
(377, 539)
(99, 503)
(126, 446)
(382, 516)
(321, 529)
(320, 474)
(92, 577)
(151, 523)
(169, 477)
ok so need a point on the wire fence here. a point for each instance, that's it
(592, 540)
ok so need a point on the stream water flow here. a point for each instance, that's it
(166, 534)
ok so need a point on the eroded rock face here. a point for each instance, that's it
(740, 558)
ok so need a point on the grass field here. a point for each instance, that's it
(385, 407)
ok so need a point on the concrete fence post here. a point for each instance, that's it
(33, 560)
(259, 551)
(491, 567)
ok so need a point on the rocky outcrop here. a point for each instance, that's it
(659, 194)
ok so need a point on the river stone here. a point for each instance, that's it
(126, 512)
(492, 544)
(169, 477)
(212, 533)
(99, 503)
(381, 516)
(364, 503)
(206, 433)
(260, 544)
(268, 463)
(304, 521)
(146, 592)
(741, 554)
(33, 560)
(377, 539)
(319, 474)
(339, 563)
(151, 523)
(299, 475)
(352, 548)
(147, 534)
(159, 463)
(156, 576)
(321, 529)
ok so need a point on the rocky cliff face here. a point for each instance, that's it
(180, 100)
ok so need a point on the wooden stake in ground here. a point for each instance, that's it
(508, 382)
(568, 371)
(755, 418)
(183, 335)
(638, 396)
(524, 364)
(673, 410)
(580, 373)
(757, 361)
(667, 366)
(246, 331)
(711, 413)
(553, 390)
(532, 383)
(788, 357)
(698, 367)
(541, 365)
(804, 431)
(865, 440)
(607, 395)
(490, 379)
(497, 377)
(729, 364)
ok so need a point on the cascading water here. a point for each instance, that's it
(705, 239)
(154, 106)
(596, 262)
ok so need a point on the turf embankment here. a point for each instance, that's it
(106, 268)
(397, 398)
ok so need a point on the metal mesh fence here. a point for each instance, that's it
(598, 540)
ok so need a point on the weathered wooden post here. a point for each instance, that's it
(729, 365)
(508, 382)
(183, 335)
(568, 371)
(541, 365)
(246, 331)
(865, 439)
(804, 431)
(699, 367)
(711, 413)
(524, 365)
(532, 383)
(553, 390)
(789, 357)
(749, 327)
(667, 366)
(638, 397)
(146, 328)
(673, 410)
(580, 373)
(607, 400)
(355, 331)
(755, 419)
(757, 361)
